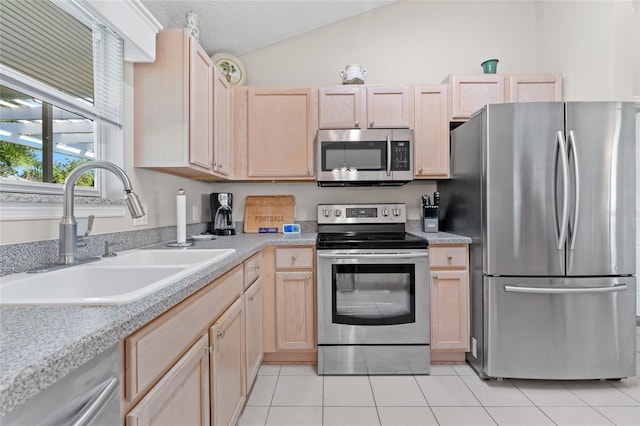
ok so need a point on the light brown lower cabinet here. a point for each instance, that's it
(294, 310)
(181, 397)
(253, 330)
(450, 326)
(227, 366)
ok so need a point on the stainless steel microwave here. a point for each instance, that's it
(374, 157)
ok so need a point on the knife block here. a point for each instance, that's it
(429, 218)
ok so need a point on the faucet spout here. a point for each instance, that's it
(68, 246)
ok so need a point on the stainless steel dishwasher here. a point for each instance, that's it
(87, 396)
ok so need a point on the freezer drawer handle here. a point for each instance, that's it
(96, 403)
(555, 290)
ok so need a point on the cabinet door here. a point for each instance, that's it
(227, 366)
(181, 397)
(294, 310)
(535, 88)
(281, 127)
(253, 330)
(388, 107)
(470, 93)
(341, 107)
(450, 310)
(431, 127)
(221, 124)
(200, 107)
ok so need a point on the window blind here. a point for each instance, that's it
(47, 45)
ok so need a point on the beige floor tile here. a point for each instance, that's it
(443, 370)
(298, 391)
(348, 391)
(630, 387)
(446, 391)
(397, 391)
(253, 416)
(262, 391)
(518, 416)
(463, 370)
(496, 393)
(269, 370)
(462, 416)
(298, 370)
(406, 416)
(350, 416)
(621, 416)
(294, 416)
(601, 394)
(548, 393)
(575, 416)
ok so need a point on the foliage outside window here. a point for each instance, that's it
(61, 76)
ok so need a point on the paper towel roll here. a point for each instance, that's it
(181, 217)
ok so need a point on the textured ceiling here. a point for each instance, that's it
(242, 26)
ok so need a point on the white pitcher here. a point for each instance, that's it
(353, 73)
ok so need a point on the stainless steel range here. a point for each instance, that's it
(373, 291)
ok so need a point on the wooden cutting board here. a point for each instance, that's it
(267, 213)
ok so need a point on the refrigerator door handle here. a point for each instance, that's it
(564, 290)
(576, 176)
(564, 220)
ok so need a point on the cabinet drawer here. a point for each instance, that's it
(449, 257)
(252, 269)
(294, 258)
(152, 350)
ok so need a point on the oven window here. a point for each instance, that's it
(366, 156)
(380, 294)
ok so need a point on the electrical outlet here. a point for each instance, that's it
(195, 213)
(144, 220)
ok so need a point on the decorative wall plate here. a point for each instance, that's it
(231, 67)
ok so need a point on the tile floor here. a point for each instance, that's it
(451, 395)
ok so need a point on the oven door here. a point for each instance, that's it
(373, 297)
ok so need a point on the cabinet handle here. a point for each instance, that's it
(357, 124)
(309, 172)
(251, 298)
(308, 279)
(293, 259)
(450, 259)
(208, 349)
(220, 334)
(257, 267)
(371, 124)
(420, 170)
(219, 165)
(435, 278)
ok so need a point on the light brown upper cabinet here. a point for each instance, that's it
(468, 93)
(274, 130)
(356, 107)
(173, 108)
(222, 153)
(534, 88)
(431, 132)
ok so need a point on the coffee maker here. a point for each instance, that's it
(222, 213)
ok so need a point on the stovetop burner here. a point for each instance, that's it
(365, 226)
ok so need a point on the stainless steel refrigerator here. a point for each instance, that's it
(546, 191)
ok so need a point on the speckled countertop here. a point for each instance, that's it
(41, 344)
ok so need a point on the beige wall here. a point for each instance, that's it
(590, 43)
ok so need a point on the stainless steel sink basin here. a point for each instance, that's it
(122, 279)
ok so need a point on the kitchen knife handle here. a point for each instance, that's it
(576, 177)
(564, 220)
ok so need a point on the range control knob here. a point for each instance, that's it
(338, 213)
(385, 212)
(326, 212)
(396, 212)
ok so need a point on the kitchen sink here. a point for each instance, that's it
(122, 279)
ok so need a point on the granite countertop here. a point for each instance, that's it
(42, 344)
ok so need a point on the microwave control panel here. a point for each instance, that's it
(400, 156)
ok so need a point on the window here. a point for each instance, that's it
(61, 94)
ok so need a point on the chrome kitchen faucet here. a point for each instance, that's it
(68, 246)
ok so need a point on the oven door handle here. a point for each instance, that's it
(372, 255)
